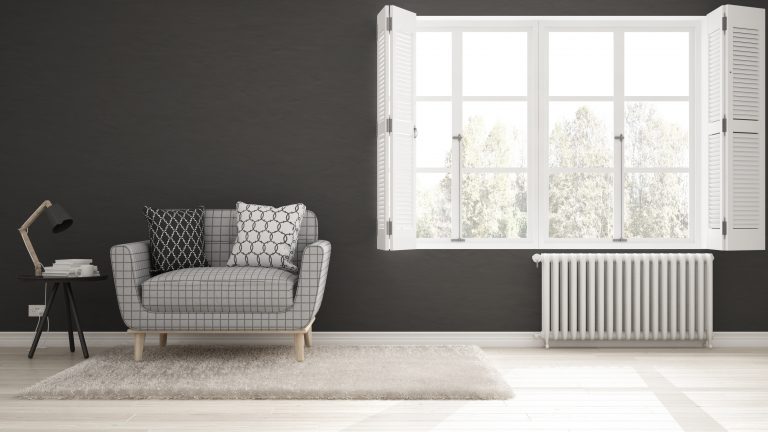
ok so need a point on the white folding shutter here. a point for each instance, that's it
(745, 135)
(715, 113)
(382, 136)
(736, 128)
(395, 142)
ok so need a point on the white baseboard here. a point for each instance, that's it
(482, 339)
(740, 340)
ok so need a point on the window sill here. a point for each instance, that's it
(574, 245)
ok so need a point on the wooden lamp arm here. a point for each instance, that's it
(24, 231)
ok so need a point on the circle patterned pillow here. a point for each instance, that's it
(266, 236)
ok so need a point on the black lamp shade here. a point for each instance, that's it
(58, 218)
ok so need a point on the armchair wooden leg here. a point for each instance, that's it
(298, 343)
(138, 346)
(308, 337)
(163, 339)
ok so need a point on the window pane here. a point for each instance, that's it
(656, 205)
(495, 64)
(433, 64)
(494, 205)
(581, 206)
(433, 144)
(580, 64)
(656, 134)
(656, 63)
(433, 205)
(581, 134)
(494, 134)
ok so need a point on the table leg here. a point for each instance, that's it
(43, 319)
(69, 322)
(68, 287)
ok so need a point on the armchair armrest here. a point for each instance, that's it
(130, 268)
(312, 275)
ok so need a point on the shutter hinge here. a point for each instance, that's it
(725, 227)
(725, 23)
(389, 227)
(725, 125)
(389, 24)
(389, 125)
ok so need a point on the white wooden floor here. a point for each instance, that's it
(558, 389)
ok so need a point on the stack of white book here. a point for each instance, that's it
(67, 268)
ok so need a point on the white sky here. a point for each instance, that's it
(495, 64)
(433, 64)
(580, 64)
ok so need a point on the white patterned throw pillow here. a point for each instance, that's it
(266, 236)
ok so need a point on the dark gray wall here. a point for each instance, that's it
(106, 106)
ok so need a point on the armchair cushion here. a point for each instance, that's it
(220, 290)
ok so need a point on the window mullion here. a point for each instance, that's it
(542, 131)
(456, 113)
(618, 128)
(532, 164)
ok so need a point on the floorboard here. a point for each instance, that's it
(557, 389)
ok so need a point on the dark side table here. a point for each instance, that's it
(66, 285)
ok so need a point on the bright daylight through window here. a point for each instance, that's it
(571, 132)
(474, 83)
(615, 155)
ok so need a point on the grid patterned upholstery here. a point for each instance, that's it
(220, 289)
(130, 268)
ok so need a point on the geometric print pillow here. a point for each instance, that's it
(266, 236)
(176, 239)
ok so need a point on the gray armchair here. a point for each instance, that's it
(220, 298)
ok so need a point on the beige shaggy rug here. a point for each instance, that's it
(271, 372)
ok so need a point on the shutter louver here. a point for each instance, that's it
(714, 217)
(736, 128)
(746, 181)
(745, 69)
(396, 222)
(714, 60)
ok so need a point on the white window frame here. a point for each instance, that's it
(538, 102)
(619, 27)
(457, 28)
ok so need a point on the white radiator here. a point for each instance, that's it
(622, 296)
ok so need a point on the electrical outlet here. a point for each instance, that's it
(36, 311)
